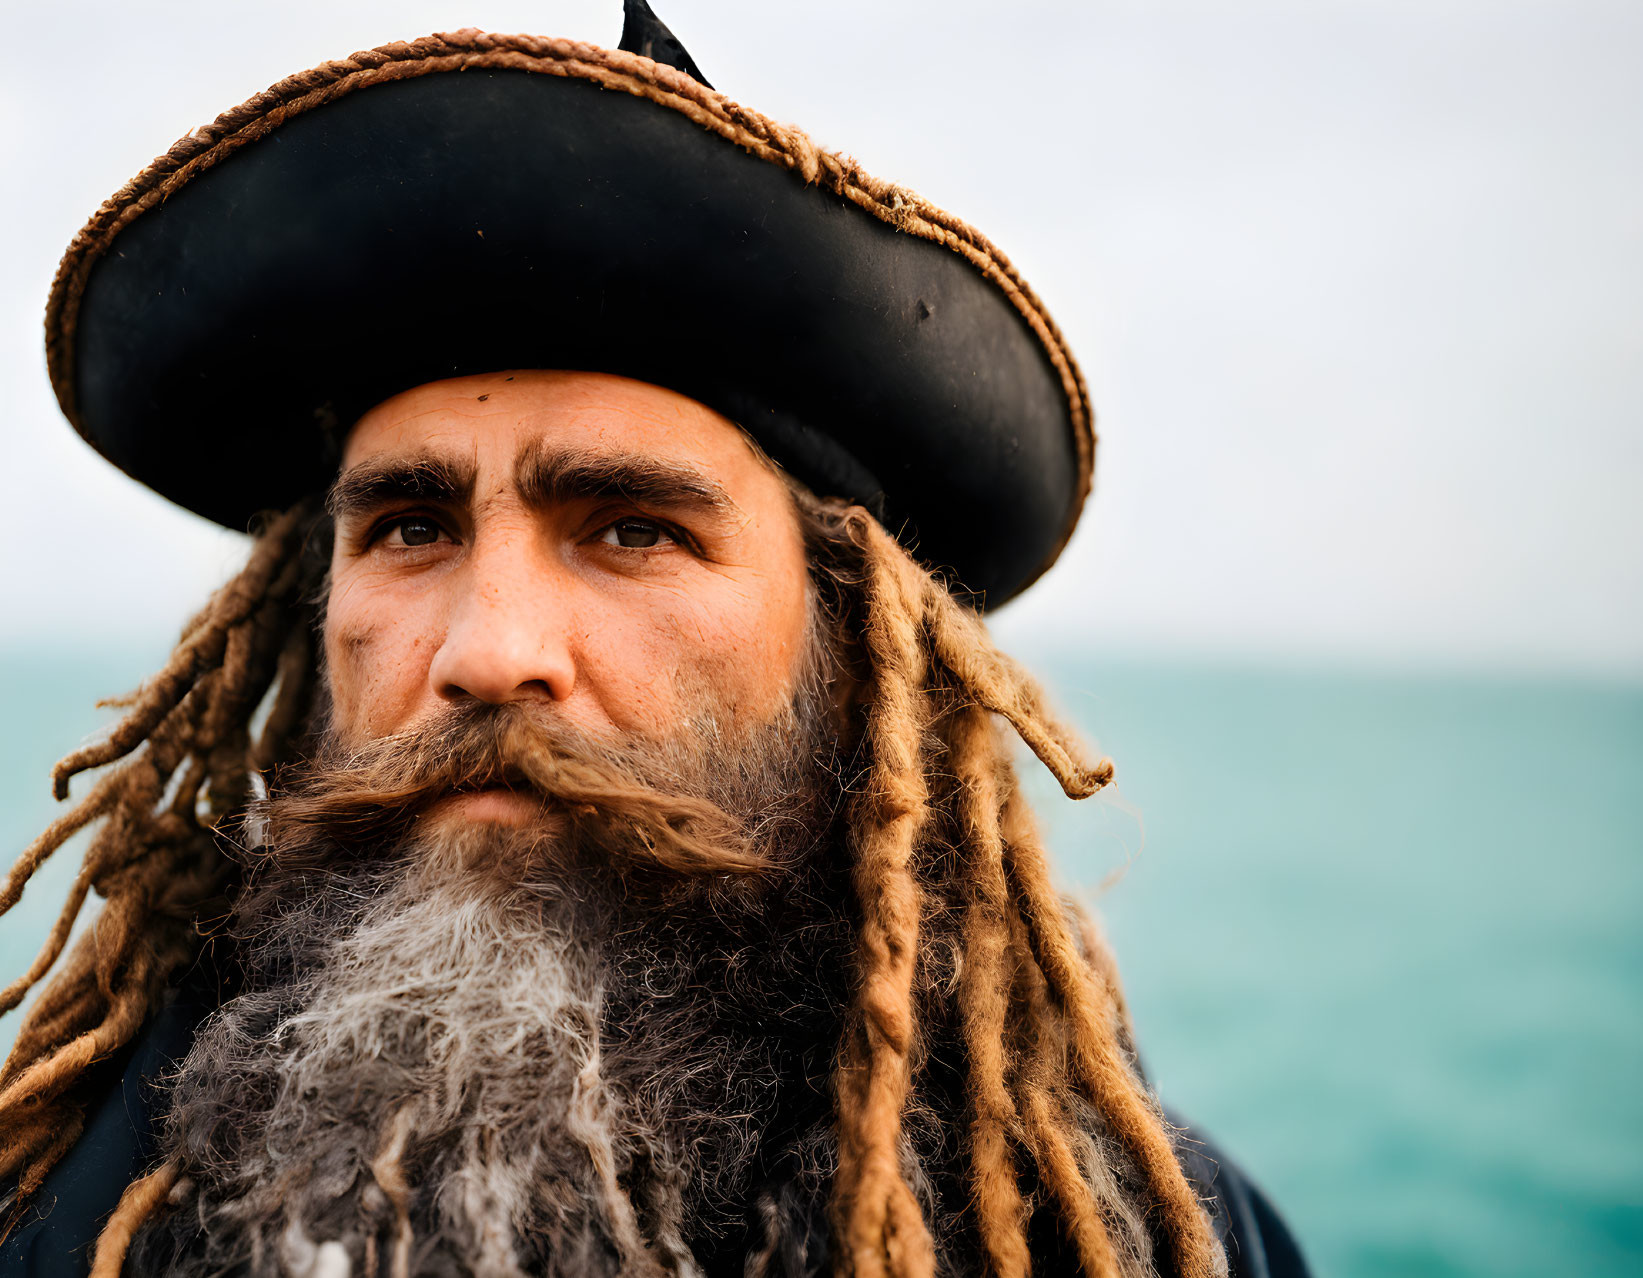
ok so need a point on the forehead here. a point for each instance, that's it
(492, 417)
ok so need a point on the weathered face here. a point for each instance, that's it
(613, 552)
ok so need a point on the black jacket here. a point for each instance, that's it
(56, 1238)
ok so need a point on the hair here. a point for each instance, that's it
(985, 1009)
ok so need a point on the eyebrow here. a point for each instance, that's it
(547, 478)
(373, 484)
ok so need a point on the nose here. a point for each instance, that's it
(508, 637)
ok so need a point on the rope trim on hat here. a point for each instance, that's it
(631, 73)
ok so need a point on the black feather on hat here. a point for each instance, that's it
(470, 202)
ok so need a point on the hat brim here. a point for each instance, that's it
(469, 203)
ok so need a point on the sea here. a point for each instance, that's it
(1382, 934)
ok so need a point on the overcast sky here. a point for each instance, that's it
(1357, 287)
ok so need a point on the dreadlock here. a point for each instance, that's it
(184, 756)
(945, 860)
(1042, 1025)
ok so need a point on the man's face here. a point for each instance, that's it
(612, 552)
(573, 990)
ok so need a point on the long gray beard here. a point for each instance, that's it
(494, 1053)
(467, 1083)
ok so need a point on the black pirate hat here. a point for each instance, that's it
(472, 202)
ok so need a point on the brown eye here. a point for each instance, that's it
(416, 531)
(634, 534)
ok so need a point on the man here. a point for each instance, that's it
(579, 842)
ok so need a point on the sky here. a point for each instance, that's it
(1356, 286)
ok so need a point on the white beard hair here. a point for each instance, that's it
(451, 1038)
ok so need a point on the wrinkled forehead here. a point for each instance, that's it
(500, 419)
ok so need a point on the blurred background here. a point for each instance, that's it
(1358, 606)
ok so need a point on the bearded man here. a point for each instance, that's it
(582, 839)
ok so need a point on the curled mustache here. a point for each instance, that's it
(618, 793)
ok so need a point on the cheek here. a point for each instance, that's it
(348, 646)
(372, 658)
(743, 659)
(650, 670)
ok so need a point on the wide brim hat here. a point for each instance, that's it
(473, 202)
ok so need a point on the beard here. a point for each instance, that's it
(594, 1042)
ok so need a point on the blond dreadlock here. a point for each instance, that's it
(942, 844)
(188, 757)
(1023, 977)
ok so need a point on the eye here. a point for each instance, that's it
(410, 530)
(635, 534)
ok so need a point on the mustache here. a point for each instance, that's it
(627, 795)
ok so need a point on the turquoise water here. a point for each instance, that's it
(1383, 937)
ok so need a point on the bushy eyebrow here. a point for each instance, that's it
(373, 484)
(547, 478)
